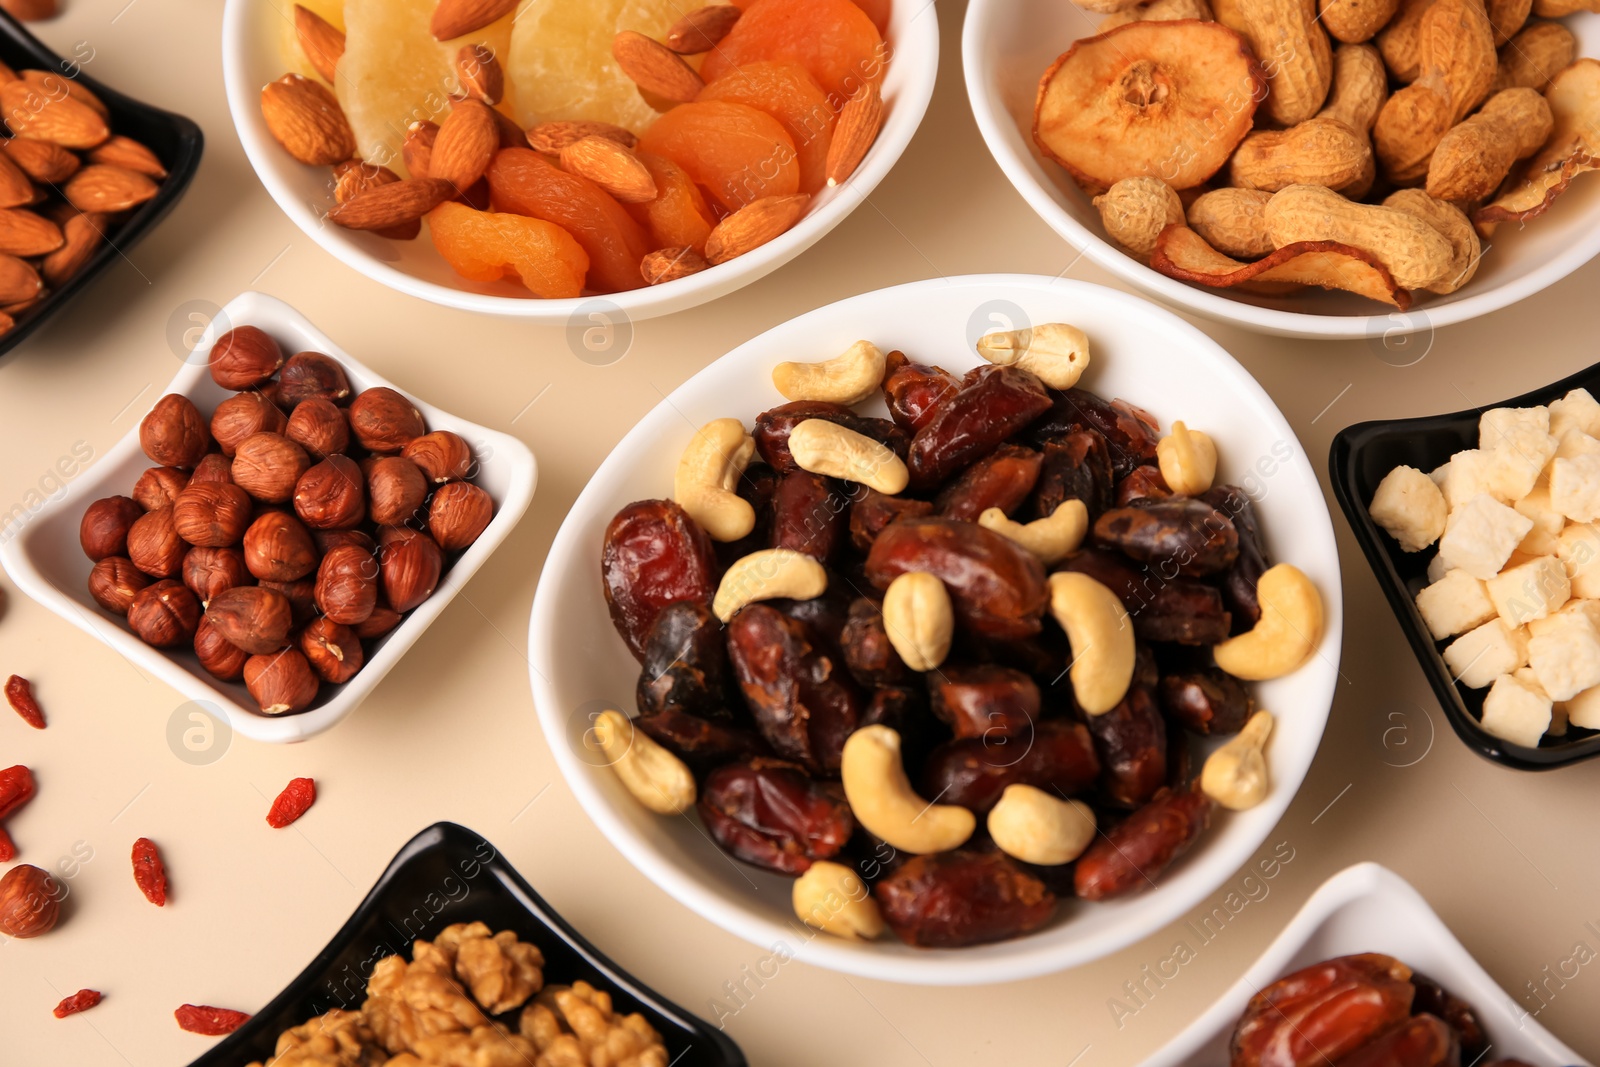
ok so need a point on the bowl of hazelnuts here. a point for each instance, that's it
(278, 530)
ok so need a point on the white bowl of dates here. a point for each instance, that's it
(552, 161)
(1051, 718)
(1385, 170)
(280, 528)
(1367, 938)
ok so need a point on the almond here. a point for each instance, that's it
(612, 167)
(456, 18)
(56, 86)
(670, 264)
(15, 188)
(356, 176)
(6, 323)
(859, 122)
(468, 139)
(125, 152)
(19, 282)
(62, 120)
(480, 74)
(754, 225)
(29, 10)
(701, 31)
(417, 148)
(552, 137)
(305, 118)
(393, 204)
(22, 233)
(655, 68)
(43, 161)
(321, 42)
(101, 187)
(83, 234)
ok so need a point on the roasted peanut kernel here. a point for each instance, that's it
(845, 379)
(1035, 827)
(1235, 775)
(1188, 460)
(1056, 353)
(884, 803)
(707, 475)
(768, 575)
(834, 899)
(1288, 632)
(656, 778)
(919, 620)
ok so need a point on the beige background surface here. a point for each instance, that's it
(1509, 860)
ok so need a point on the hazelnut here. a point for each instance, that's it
(174, 434)
(114, 581)
(282, 682)
(220, 657)
(312, 376)
(212, 514)
(458, 514)
(154, 544)
(30, 901)
(257, 620)
(333, 650)
(103, 530)
(301, 594)
(165, 614)
(244, 357)
(242, 415)
(319, 427)
(328, 540)
(209, 571)
(331, 496)
(442, 455)
(267, 466)
(159, 487)
(383, 420)
(347, 585)
(213, 467)
(278, 548)
(409, 563)
(396, 488)
(381, 621)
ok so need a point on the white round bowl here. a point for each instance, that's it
(1006, 46)
(251, 58)
(1151, 357)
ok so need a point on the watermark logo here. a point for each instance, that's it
(198, 733)
(1407, 736)
(583, 732)
(187, 325)
(599, 332)
(1401, 339)
(995, 315)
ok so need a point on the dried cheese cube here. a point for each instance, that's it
(1578, 548)
(1575, 487)
(1513, 712)
(1455, 603)
(1410, 507)
(1578, 410)
(1530, 591)
(1481, 535)
(1584, 709)
(1438, 568)
(1481, 655)
(1519, 443)
(1466, 475)
(1566, 657)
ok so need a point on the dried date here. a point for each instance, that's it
(704, 744)
(1003, 480)
(997, 588)
(1074, 467)
(962, 898)
(1434, 999)
(1421, 1041)
(868, 653)
(1141, 485)
(773, 428)
(804, 705)
(913, 390)
(1177, 610)
(1059, 757)
(654, 555)
(685, 662)
(984, 701)
(769, 814)
(1132, 854)
(1205, 702)
(1321, 1013)
(1131, 434)
(1178, 536)
(1239, 581)
(871, 511)
(993, 404)
(1131, 741)
(809, 514)
(757, 486)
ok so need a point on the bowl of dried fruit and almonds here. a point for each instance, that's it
(517, 158)
(1000, 649)
(1305, 169)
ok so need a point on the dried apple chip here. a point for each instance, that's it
(1183, 254)
(1170, 100)
(1572, 149)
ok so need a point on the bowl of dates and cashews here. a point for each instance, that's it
(978, 690)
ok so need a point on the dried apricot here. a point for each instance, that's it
(522, 181)
(833, 39)
(486, 247)
(787, 93)
(877, 10)
(738, 153)
(678, 217)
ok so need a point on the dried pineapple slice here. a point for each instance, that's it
(393, 74)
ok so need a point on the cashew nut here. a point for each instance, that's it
(767, 575)
(1035, 827)
(919, 620)
(1289, 628)
(845, 379)
(834, 899)
(1056, 352)
(1188, 460)
(1235, 775)
(708, 472)
(656, 778)
(881, 797)
(1101, 636)
(1052, 539)
(827, 448)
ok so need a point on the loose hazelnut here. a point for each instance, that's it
(212, 514)
(301, 594)
(312, 376)
(257, 620)
(220, 657)
(409, 563)
(159, 487)
(282, 682)
(244, 414)
(442, 455)
(103, 530)
(267, 466)
(244, 357)
(30, 901)
(213, 467)
(383, 420)
(319, 427)
(114, 582)
(328, 540)
(154, 544)
(330, 496)
(396, 488)
(381, 621)
(165, 614)
(278, 548)
(174, 434)
(459, 513)
(347, 585)
(209, 571)
(333, 650)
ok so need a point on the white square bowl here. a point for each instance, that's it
(46, 562)
(1369, 908)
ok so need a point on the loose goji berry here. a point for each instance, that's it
(82, 1000)
(8, 847)
(19, 692)
(212, 1022)
(149, 872)
(292, 803)
(16, 789)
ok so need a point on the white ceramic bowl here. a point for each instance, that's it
(45, 561)
(251, 59)
(1368, 908)
(1142, 353)
(1007, 45)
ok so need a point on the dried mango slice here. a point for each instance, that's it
(1171, 100)
(1183, 254)
(1572, 149)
